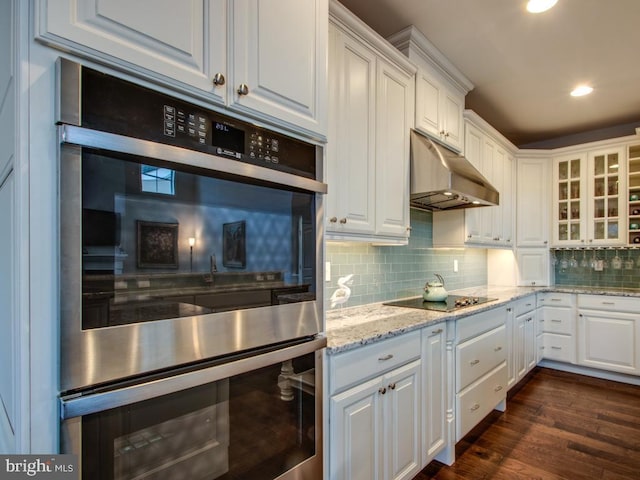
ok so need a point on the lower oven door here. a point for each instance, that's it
(257, 417)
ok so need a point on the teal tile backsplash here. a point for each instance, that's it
(576, 267)
(390, 272)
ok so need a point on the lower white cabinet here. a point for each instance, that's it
(434, 391)
(375, 411)
(556, 327)
(609, 333)
(521, 331)
(481, 367)
(375, 427)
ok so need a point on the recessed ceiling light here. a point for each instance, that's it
(539, 6)
(581, 90)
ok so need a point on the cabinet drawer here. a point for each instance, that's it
(556, 299)
(557, 320)
(558, 347)
(479, 355)
(355, 366)
(524, 305)
(609, 302)
(474, 325)
(474, 403)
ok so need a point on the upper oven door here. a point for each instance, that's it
(170, 256)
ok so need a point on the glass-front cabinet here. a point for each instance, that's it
(606, 206)
(569, 200)
(589, 209)
(634, 195)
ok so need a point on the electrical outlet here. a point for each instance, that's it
(327, 271)
(455, 266)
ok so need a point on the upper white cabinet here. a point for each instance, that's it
(266, 58)
(371, 113)
(533, 201)
(440, 89)
(492, 155)
(588, 198)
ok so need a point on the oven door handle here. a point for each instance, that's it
(85, 137)
(79, 405)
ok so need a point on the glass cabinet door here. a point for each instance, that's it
(605, 204)
(570, 196)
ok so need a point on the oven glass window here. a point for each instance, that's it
(190, 244)
(256, 425)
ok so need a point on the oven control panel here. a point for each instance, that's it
(117, 106)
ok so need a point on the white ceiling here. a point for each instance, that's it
(523, 66)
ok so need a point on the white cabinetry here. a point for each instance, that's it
(481, 368)
(609, 333)
(588, 208)
(521, 355)
(440, 89)
(371, 113)
(492, 155)
(375, 411)
(266, 58)
(556, 327)
(533, 266)
(435, 436)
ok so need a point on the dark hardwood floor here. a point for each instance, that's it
(557, 426)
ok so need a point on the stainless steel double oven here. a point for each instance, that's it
(191, 303)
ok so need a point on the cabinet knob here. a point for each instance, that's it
(382, 390)
(446, 135)
(497, 349)
(343, 221)
(498, 388)
(474, 362)
(437, 332)
(333, 219)
(219, 80)
(475, 407)
(408, 228)
(243, 89)
(441, 132)
(545, 242)
(392, 386)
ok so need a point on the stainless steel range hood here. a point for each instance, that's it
(443, 180)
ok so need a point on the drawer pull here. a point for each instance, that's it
(556, 348)
(556, 321)
(392, 386)
(528, 304)
(475, 407)
(498, 388)
(608, 303)
(437, 332)
(497, 349)
(556, 299)
(382, 390)
(474, 362)
(386, 357)
(529, 319)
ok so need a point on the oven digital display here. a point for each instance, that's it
(227, 137)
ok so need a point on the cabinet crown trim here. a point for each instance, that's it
(412, 39)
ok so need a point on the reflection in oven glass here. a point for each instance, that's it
(255, 425)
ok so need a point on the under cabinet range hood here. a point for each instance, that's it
(444, 180)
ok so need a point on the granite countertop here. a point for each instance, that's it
(353, 327)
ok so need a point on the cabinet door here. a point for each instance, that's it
(183, 41)
(570, 193)
(402, 446)
(279, 53)
(434, 392)
(351, 147)
(356, 432)
(487, 234)
(532, 202)
(530, 341)
(473, 152)
(533, 266)
(511, 348)
(607, 197)
(453, 126)
(519, 346)
(394, 110)
(428, 104)
(507, 201)
(609, 341)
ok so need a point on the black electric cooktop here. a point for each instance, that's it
(453, 302)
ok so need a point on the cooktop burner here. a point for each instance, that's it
(453, 302)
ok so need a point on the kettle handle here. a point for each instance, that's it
(439, 277)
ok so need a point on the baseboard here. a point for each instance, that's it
(590, 372)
